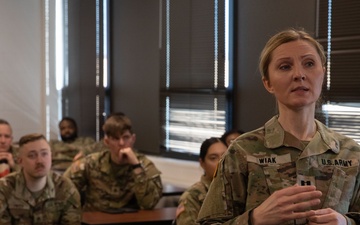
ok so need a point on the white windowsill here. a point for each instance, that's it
(181, 173)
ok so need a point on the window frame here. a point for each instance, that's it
(225, 91)
(339, 32)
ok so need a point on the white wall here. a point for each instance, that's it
(23, 97)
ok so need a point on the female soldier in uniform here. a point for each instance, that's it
(293, 170)
(191, 200)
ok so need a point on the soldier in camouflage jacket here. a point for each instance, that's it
(293, 170)
(35, 195)
(117, 177)
(192, 199)
(65, 150)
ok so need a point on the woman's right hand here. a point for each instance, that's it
(287, 204)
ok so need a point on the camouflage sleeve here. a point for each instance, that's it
(188, 209)
(5, 217)
(353, 217)
(88, 141)
(351, 221)
(94, 147)
(15, 154)
(226, 199)
(87, 145)
(72, 212)
(83, 144)
(148, 186)
(77, 174)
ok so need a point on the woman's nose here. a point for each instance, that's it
(299, 74)
(299, 77)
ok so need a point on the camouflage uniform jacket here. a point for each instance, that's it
(96, 147)
(268, 159)
(63, 153)
(59, 202)
(108, 186)
(191, 201)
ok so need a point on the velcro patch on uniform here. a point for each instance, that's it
(305, 180)
(272, 159)
(180, 209)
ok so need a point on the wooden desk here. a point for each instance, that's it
(161, 216)
(171, 190)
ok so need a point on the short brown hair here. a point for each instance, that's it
(2, 121)
(30, 138)
(5, 122)
(116, 125)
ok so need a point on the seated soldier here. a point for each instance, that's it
(70, 145)
(36, 195)
(7, 149)
(97, 146)
(117, 177)
(192, 199)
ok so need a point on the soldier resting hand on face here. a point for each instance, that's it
(117, 177)
(8, 150)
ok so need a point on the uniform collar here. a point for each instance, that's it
(275, 136)
(205, 181)
(105, 161)
(22, 192)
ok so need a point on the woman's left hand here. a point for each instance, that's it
(327, 216)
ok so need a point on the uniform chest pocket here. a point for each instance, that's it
(48, 212)
(341, 186)
(19, 210)
(280, 176)
(265, 179)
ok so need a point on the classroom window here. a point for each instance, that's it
(195, 73)
(339, 33)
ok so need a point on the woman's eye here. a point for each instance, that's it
(214, 158)
(284, 67)
(309, 64)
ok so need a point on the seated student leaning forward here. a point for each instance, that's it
(35, 195)
(117, 177)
